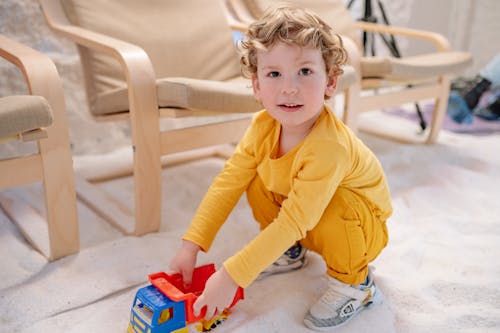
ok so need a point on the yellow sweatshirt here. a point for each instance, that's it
(306, 177)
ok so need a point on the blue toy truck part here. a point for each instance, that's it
(153, 312)
(166, 306)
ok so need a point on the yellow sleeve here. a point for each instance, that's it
(316, 180)
(224, 192)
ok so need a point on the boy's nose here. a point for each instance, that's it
(289, 86)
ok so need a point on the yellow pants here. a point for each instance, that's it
(348, 236)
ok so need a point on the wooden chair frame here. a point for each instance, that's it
(148, 142)
(438, 90)
(58, 236)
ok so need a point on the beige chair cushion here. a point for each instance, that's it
(185, 93)
(225, 97)
(188, 38)
(415, 67)
(19, 114)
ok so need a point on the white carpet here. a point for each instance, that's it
(439, 273)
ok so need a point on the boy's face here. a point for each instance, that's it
(291, 82)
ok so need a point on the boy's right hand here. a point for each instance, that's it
(184, 261)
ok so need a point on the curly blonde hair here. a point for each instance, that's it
(292, 25)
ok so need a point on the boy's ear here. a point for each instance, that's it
(256, 87)
(331, 85)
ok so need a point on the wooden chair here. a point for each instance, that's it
(39, 117)
(146, 60)
(390, 81)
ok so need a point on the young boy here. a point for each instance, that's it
(310, 182)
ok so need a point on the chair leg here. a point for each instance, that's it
(440, 107)
(60, 195)
(145, 128)
(147, 181)
(352, 107)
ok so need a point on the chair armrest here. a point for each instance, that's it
(238, 26)
(134, 61)
(441, 43)
(132, 58)
(234, 21)
(39, 72)
(138, 70)
(237, 15)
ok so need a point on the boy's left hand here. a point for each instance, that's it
(218, 294)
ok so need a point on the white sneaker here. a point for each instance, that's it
(341, 302)
(294, 258)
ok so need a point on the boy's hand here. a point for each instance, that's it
(185, 261)
(218, 294)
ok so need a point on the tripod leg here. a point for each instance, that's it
(350, 4)
(422, 122)
(391, 44)
(392, 41)
(389, 41)
(365, 41)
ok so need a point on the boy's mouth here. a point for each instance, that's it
(290, 107)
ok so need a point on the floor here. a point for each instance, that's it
(439, 272)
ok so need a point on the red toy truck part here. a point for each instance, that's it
(173, 287)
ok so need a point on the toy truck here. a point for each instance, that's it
(165, 306)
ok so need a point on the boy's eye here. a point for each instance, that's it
(305, 71)
(273, 74)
